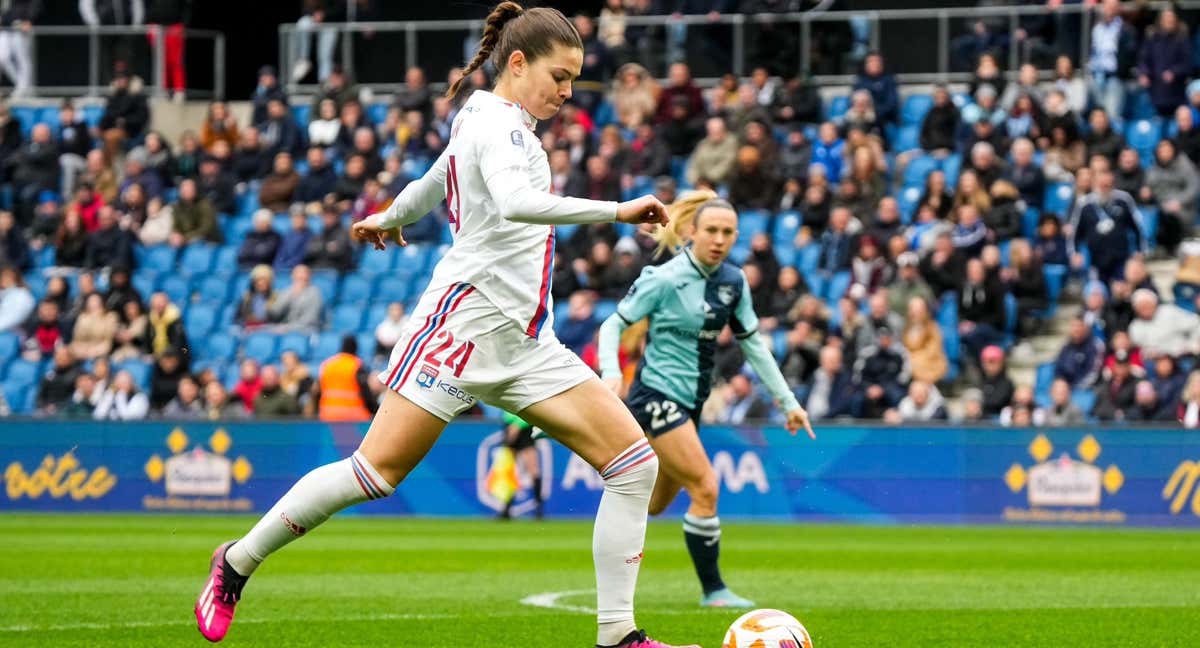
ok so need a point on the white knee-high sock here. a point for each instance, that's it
(619, 537)
(318, 495)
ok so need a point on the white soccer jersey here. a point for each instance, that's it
(495, 178)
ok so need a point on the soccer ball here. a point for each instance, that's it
(767, 629)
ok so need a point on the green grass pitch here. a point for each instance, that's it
(99, 580)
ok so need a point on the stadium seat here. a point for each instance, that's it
(197, 259)
(378, 262)
(140, 372)
(159, 258)
(918, 169)
(356, 289)
(912, 112)
(144, 282)
(1185, 295)
(366, 346)
(298, 342)
(377, 313)
(91, 114)
(809, 256)
(1150, 219)
(837, 287)
(328, 343)
(177, 289)
(27, 116)
(389, 289)
(751, 222)
(347, 318)
(225, 263)
(1143, 135)
(1056, 278)
(300, 113)
(1029, 222)
(220, 346)
(213, 290)
(604, 308)
(1010, 313)
(787, 225)
(231, 375)
(326, 281)
(43, 258)
(907, 201)
(1138, 105)
(377, 112)
(24, 371)
(10, 345)
(785, 253)
(15, 394)
(1058, 199)
(201, 318)
(413, 257)
(260, 346)
(951, 166)
(837, 106)
(1084, 399)
(908, 138)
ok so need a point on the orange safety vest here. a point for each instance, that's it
(340, 398)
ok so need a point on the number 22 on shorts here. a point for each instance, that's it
(662, 414)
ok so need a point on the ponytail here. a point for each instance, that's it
(684, 213)
(510, 27)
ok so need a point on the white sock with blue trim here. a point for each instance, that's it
(318, 495)
(619, 536)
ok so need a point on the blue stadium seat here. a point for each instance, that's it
(912, 112)
(1041, 383)
(218, 366)
(785, 253)
(787, 225)
(297, 342)
(1056, 278)
(300, 113)
(1138, 105)
(160, 258)
(1029, 222)
(751, 222)
(10, 345)
(908, 138)
(231, 376)
(1143, 135)
(49, 116)
(201, 318)
(366, 345)
(389, 289)
(213, 290)
(378, 262)
(227, 314)
(328, 343)
(177, 289)
(347, 318)
(837, 106)
(15, 394)
(326, 281)
(260, 346)
(225, 262)
(43, 258)
(809, 256)
(918, 169)
(144, 281)
(837, 287)
(27, 115)
(604, 308)
(1058, 198)
(377, 112)
(197, 259)
(24, 371)
(377, 313)
(951, 166)
(91, 114)
(1084, 399)
(1150, 218)
(140, 372)
(1185, 295)
(1010, 313)
(414, 257)
(356, 289)
(907, 201)
(220, 346)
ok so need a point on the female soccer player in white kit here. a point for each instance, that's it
(482, 330)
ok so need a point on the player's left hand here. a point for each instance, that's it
(798, 418)
(646, 209)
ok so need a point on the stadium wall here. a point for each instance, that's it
(1145, 477)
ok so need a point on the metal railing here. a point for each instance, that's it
(95, 86)
(804, 23)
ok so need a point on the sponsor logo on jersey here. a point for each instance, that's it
(427, 376)
(725, 294)
(456, 392)
(517, 138)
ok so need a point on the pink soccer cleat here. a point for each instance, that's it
(214, 608)
(638, 639)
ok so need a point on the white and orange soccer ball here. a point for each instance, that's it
(767, 629)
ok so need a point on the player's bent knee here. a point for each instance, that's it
(704, 492)
(636, 476)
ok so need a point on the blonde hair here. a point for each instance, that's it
(683, 213)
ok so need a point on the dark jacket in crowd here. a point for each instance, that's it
(1162, 52)
(127, 111)
(1108, 228)
(940, 127)
(259, 248)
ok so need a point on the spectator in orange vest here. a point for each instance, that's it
(341, 391)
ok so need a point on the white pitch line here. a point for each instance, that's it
(165, 624)
(549, 601)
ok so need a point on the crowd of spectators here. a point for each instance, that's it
(896, 220)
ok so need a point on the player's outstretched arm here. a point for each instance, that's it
(413, 202)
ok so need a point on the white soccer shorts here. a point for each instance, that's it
(457, 348)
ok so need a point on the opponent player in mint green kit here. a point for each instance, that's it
(689, 300)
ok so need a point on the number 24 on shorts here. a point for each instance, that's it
(662, 414)
(457, 360)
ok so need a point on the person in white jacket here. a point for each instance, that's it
(122, 401)
(1163, 329)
